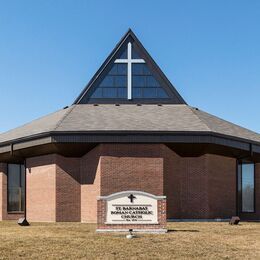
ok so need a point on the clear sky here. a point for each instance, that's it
(209, 50)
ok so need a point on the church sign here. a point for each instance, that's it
(131, 208)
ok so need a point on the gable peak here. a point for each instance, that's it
(129, 75)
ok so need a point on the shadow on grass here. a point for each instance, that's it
(182, 230)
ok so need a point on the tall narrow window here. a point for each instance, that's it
(246, 187)
(16, 184)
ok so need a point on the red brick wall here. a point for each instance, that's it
(66, 189)
(172, 182)
(131, 167)
(90, 185)
(200, 187)
(222, 186)
(110, 168)
(53, 189)
(68, 192)
(41, 188)
(131, 173)
(196, 187)
(187, 187)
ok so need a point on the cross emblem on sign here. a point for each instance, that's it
(131, 197)
(129, 62)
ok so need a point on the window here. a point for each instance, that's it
(15, 185)
(114, 83)
(145, 85)
(246, 187)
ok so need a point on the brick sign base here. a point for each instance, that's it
(117, 212)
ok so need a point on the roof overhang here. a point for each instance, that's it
(62, 142)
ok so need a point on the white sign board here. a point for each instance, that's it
(131, 207)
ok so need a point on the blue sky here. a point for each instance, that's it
(209, 50)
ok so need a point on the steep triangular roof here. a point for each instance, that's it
(161, 91)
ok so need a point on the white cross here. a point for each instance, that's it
(129, 62)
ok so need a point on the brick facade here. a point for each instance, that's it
(53, 189)
(41, 188)
(200, 187)
(130, 173)
(90, 185)
(66, 189)
(221, 186)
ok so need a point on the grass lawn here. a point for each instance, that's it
(79, 241)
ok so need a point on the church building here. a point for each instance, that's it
(129, 129)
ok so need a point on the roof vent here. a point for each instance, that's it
(66, 107)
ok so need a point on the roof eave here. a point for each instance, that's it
(130, 137)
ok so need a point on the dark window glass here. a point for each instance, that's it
(146, 70)
(144, 83)
(123, 54)
(246, 187)
(109, 86)
(97, 93)
(16, 187)
(137, 68)
(120, 81)
(137, 93)
(138, 81)
(109, 93)
(108, 81)
(122, 93)
(152, 82)
(121, 69)
(149, 93)
(161, 93)
(135, 54)
(113, 70)
(142, 78)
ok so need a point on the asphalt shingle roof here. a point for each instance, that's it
(165, 118)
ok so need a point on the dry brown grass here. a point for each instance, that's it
(79, 241)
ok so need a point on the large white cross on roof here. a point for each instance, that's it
(129, 62)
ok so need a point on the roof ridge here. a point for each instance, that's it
(203, 121)
(64, 116)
